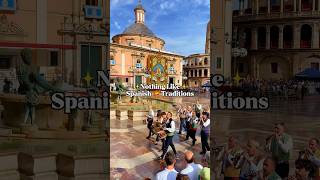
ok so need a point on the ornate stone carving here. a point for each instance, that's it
(10, 28)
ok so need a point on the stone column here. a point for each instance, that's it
(281, 36)
(313, 5)
(281, 7)
(318, 5)
(241, 7)
(257, 7)
(254, 38)
(299, 6)
(268, 37)
(296, 35)
(294, 5)
(269, 8)
(315, 36)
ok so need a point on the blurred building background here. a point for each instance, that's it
(68, 38)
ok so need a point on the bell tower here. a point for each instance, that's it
(139, 12)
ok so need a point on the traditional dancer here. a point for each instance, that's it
(170, 129)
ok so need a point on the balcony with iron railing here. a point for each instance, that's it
(261, 45)
(306, 6)
(288, 8)
(236, 12)
(263, 10)
(274, 44)
(305, 44)
(275, 8)
(248, 11)
(287, 44)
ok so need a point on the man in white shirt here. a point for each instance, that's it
(169, 173)
(192, 169)
(170, 129)
(205, 132)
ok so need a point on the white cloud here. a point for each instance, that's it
(202, 2)
(117, 3)
(116, 24)
(167, 5)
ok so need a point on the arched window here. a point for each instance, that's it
(200, 73)
(288, 5)
(263, 6)
(247, 38)
(138, 65)
(306, 5)
(205, 61)
(236, 7)
(262, 38)
(206, 73)
(274, 37)
(287, 37)
(305, 35)
(275, 5)
(248, 4)
(112, 61)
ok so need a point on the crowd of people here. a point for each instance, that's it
(271, 162)
(192, 119)
(280, 88)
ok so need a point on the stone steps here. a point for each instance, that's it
(9, 166)
(37, 167)
(25, 166)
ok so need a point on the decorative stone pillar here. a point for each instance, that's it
(257, 7)
(318, 5)
(280, 36)
(299, 5)
(281, 6)
(269, 8)
(296, 35)
(315, 36)
(254, 38)
(268, 37)
(313, 5)
(294, 5)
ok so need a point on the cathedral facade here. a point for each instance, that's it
(281, 36)
(137, 56)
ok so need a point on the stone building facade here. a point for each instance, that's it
(281, 36)
(68, 38)
(137, 56)
(197, 70)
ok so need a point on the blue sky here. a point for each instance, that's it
(182, 24)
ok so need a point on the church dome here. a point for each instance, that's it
(138, 29)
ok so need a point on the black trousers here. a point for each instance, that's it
(150, 131)
(168, 142)
(188, 130)
(282, 169)
(204, 142)
(193, 135)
